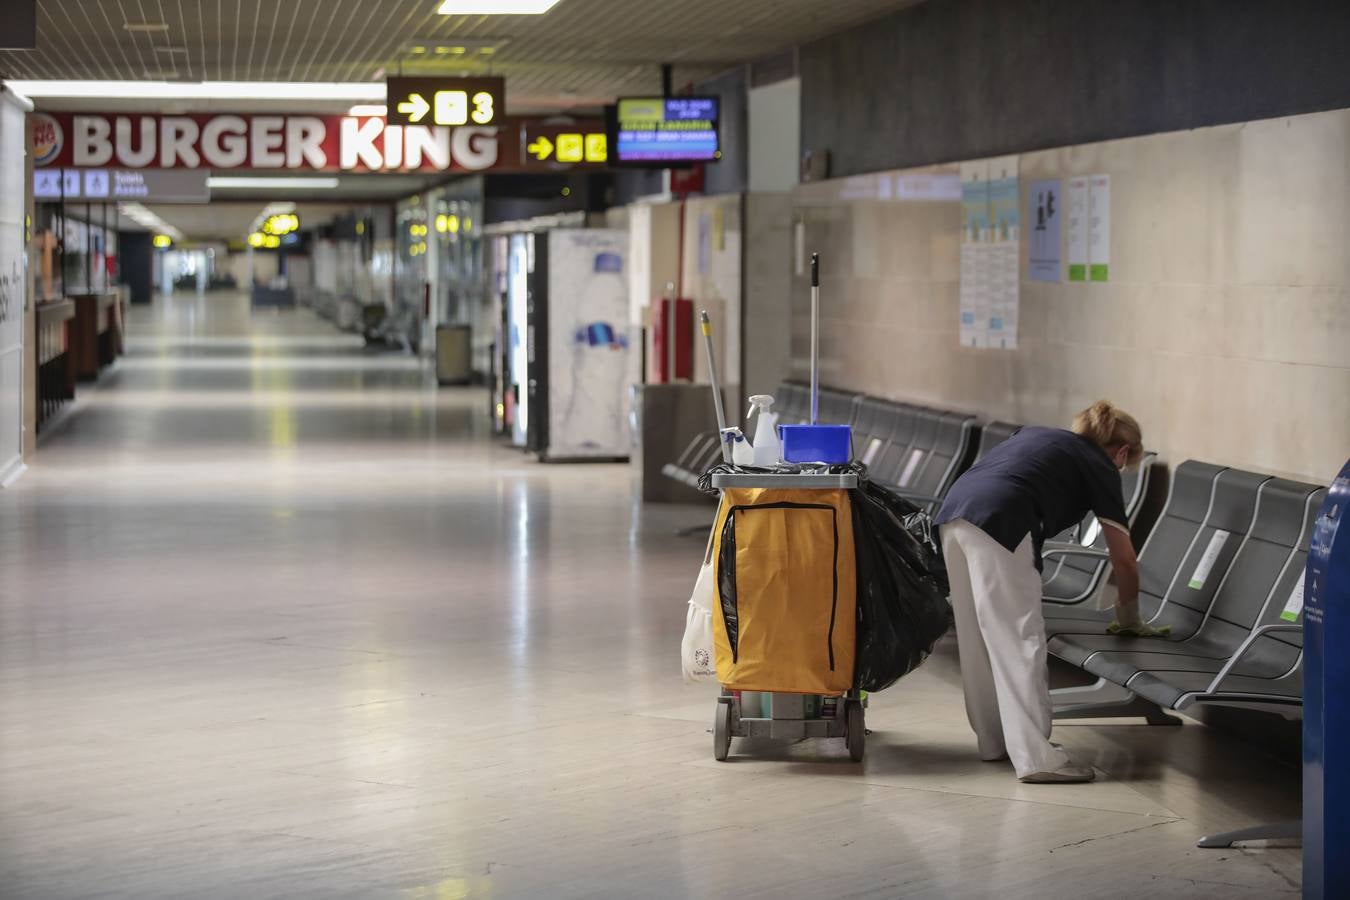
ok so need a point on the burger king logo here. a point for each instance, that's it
(47, 139)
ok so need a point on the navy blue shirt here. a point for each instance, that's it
(1040, 481)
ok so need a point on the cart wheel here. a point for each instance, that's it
(722, 731)
(855, 731)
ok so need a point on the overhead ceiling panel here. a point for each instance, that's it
(581, 52)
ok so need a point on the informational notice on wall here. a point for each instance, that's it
(1044, 214)
(1005, 252)
(1078, 236)
(974, 243)
(990, 253)
(1099, 228)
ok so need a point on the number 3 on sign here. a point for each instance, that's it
(482, 107)
(452, 108)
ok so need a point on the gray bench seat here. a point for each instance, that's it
(1189, 504)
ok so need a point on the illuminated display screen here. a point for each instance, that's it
(666, 130)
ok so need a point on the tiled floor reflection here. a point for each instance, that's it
(279, 619)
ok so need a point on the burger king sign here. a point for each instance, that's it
(48, 139)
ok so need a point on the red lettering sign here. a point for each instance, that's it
(283, 143)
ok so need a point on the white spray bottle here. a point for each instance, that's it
(741, 454)
(767, 450)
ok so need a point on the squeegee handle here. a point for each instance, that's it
(706, 325)
(815, 337)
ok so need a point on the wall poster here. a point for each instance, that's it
(1044, 214)
(1099, 228)
(1005, 254)
(1078, 237)
(974, 241)
(990, 253)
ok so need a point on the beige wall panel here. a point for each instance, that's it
(1225, 327)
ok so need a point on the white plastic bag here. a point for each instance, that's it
(696, 651)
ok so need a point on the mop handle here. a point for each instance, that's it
(706, 324)
(815, 336)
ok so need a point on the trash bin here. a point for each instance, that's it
(454, 356)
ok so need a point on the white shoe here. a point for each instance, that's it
(1063, 775)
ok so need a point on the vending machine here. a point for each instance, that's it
(578, 365)
(520, 256)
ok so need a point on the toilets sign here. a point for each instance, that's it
(291, 143)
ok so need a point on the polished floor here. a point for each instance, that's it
(278, 618)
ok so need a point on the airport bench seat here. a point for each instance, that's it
(1222, 568)
(1071, 579)
(699, 455)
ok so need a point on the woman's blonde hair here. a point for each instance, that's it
(1111, 427)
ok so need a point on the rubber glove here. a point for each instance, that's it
(1142, 630)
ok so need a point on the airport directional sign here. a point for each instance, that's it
(450, 102)
(562, 144)
(541, 148)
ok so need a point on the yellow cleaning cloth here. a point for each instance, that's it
(1140, 631)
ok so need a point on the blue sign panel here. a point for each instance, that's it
(667, 129)
(1326, 701)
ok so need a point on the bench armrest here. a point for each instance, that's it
(693, 451)
(1242, 650)
(1051, 549)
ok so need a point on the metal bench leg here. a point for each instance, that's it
(1106, 700)
(1277, 831)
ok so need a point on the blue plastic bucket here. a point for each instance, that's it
(816, 443)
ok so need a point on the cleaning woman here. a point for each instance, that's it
(993, 523)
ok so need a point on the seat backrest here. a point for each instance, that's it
(938, 469)
(864, 423)
(1277, 529)
(874, 429)
(1188, 504)
(1265, 579)
(924, 439)
(835, 408)
(790, 401)
(1285, 603)
(1134, 485)
(993, 434)
(891, 459)
(1216, 544)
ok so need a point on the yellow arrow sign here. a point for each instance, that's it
(416, 107)
(542, 148)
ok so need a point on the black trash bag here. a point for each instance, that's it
(902, 586)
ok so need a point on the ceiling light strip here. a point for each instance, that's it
(148, 220)
(496, 7)
(233, 182)
(200, 90)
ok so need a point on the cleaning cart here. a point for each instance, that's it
(785, 607)
(784, 623)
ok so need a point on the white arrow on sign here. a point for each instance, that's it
(416, 107)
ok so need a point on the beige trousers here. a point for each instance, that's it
(1000, 631)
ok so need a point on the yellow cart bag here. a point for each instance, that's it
(786, 616)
